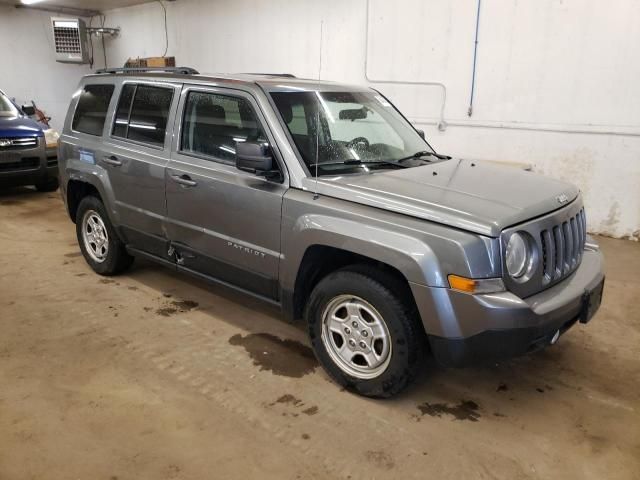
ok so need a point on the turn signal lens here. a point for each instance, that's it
(476, 285)
(51, 138)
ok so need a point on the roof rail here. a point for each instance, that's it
(287, 75)
(181, 70)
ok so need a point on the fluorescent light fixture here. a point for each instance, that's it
(29, 2)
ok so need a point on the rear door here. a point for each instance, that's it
(223, 222)
(137, 152)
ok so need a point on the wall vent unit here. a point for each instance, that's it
(70, 39)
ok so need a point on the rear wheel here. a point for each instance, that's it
(364, 332)
(100, 245)
(50, 184)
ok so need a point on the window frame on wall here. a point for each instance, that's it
(238, 97)
(168, 125)
(85, 87)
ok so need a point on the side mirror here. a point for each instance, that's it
(28, 110)
(421, 133)
(254, 157)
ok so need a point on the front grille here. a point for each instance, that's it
(562, 247)
(558, 239)
(52, 161)
(27, 163)
(17, 143)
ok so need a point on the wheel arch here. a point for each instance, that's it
(320, 260)
(79, 186)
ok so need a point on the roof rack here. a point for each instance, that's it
(181, 70)
(287, 75)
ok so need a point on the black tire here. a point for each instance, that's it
(50, 184)
(117, 259)
(389, 298)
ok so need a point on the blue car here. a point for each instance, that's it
(28, 149)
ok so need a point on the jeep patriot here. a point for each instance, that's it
(323, 199)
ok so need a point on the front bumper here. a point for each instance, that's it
(28, 166)
(465, 329)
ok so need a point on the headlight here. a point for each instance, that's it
(518, 255)
(51, 138)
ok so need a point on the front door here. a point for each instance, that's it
(222, 222)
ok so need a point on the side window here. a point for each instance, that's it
(91, 110)
(142, 113)
(122, 112)
(213, 124)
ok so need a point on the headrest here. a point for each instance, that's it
(287, 112)
(212, 111)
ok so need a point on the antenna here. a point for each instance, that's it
(315, 193)
(320, 53)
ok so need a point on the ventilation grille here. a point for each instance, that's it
(67, 40)
(70, 40)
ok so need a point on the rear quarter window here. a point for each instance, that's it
(92, 108)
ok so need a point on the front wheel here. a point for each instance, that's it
(365, 333)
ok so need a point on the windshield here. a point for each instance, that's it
(356, 131)
(7, 109)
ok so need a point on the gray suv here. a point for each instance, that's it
(323, 199)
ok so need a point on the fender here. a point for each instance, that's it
(97, 177)
(415, 259)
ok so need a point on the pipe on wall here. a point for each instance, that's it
(579, 129)
(509, 125)
(441, 124)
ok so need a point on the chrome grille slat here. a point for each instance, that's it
(580, 236)
(559, 239)
(576, 242)
(19, 142)
(568, 247)
(549, 256)
(552, 256)
(583, 219)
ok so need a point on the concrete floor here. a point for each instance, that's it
(153, 375)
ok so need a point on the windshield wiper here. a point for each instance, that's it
(424, 153)
(358, 162)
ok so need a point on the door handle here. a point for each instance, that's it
(184, 180)
(112, 160)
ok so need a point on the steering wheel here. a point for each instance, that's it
(358, 141)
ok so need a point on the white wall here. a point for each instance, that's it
(28, 70)
(558, 81)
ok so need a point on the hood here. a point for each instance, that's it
(480, 197)
(19, 126)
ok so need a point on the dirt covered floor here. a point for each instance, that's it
(153, 375)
